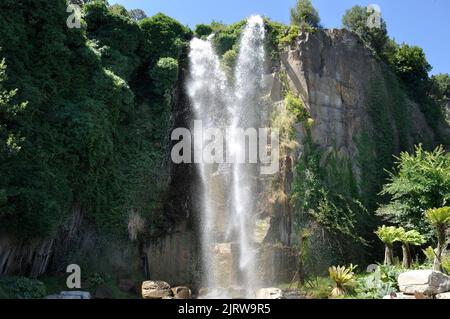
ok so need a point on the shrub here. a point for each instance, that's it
(22, 288)
(305, 14)
(164, 74)
(203, 30)
(344, 279)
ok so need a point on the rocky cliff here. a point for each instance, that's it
(338, 79)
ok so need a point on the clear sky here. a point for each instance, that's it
(425, 23)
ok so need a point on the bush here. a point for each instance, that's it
(290, 38)
(203, 30)
(21, 288)
(164, 74)
(304, 14)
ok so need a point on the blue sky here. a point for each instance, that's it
(418, 22)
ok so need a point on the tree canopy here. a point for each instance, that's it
(304, 14)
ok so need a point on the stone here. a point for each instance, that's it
(156, 290)
(103, 292)
(182, 293)
(126, 285)
(399, 296)
(75, 295)
(293, 294)
(269, 293)
(445, 295)
(427, 282)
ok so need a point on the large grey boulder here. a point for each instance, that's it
(156, 290)
(428, 282)
(75, 295)
(445, 295)
(269, 293)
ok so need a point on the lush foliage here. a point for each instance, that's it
(357, 20)
(21, 288)
(440, 219)
(344, 278)
(94, 130)
(422, 181)
(304, 14)
(203, 30)
(380, 283)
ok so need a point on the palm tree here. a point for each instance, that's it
(408, 238)
(440, 219)
(388, 235)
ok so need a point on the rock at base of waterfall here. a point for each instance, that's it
(103, 292)
(75, 295)
(156, 290)
(445, 295)
(181, 293)
(399, 296)
(126, 285)
(427, 282)
(269, 293)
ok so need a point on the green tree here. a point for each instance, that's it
(440, 219)
(408, 239)
(411, 65)
(422, 181)
(304, 14)
(440, 90)
(119, 10)
(137, 14)
(388, 235)
(357, 20)
(164, 74)
(203, 30)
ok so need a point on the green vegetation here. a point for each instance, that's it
(421, 181)
(203, 30)
(356, 19)
(388, 235)
(94, 131)
(408, 239)
(305, 15)
(344, 278)
(21, 288)
(440, 219)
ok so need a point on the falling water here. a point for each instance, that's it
(228, 190)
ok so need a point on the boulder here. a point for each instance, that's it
(269, 293)
(103, 292)
(445, 295)
(181, 293)
(75, 295)
(156, 290)
(126, 285)
(427, 282)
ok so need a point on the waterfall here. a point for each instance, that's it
(228, 190)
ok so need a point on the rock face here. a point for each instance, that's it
(428, 282)
(71, 295)
(333, 72)
(181, 293)
(156, 290)
(269, 293)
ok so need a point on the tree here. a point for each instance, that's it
(422, 181)
(440, 90)
(388, 235)
(137, 14)
(408, 239)
(119, 10)
(357, 19)
(440, 219)
(164, 74)
(304, 14)
(411, 65)
(203, 30)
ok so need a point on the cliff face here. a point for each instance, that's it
(335, 75)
